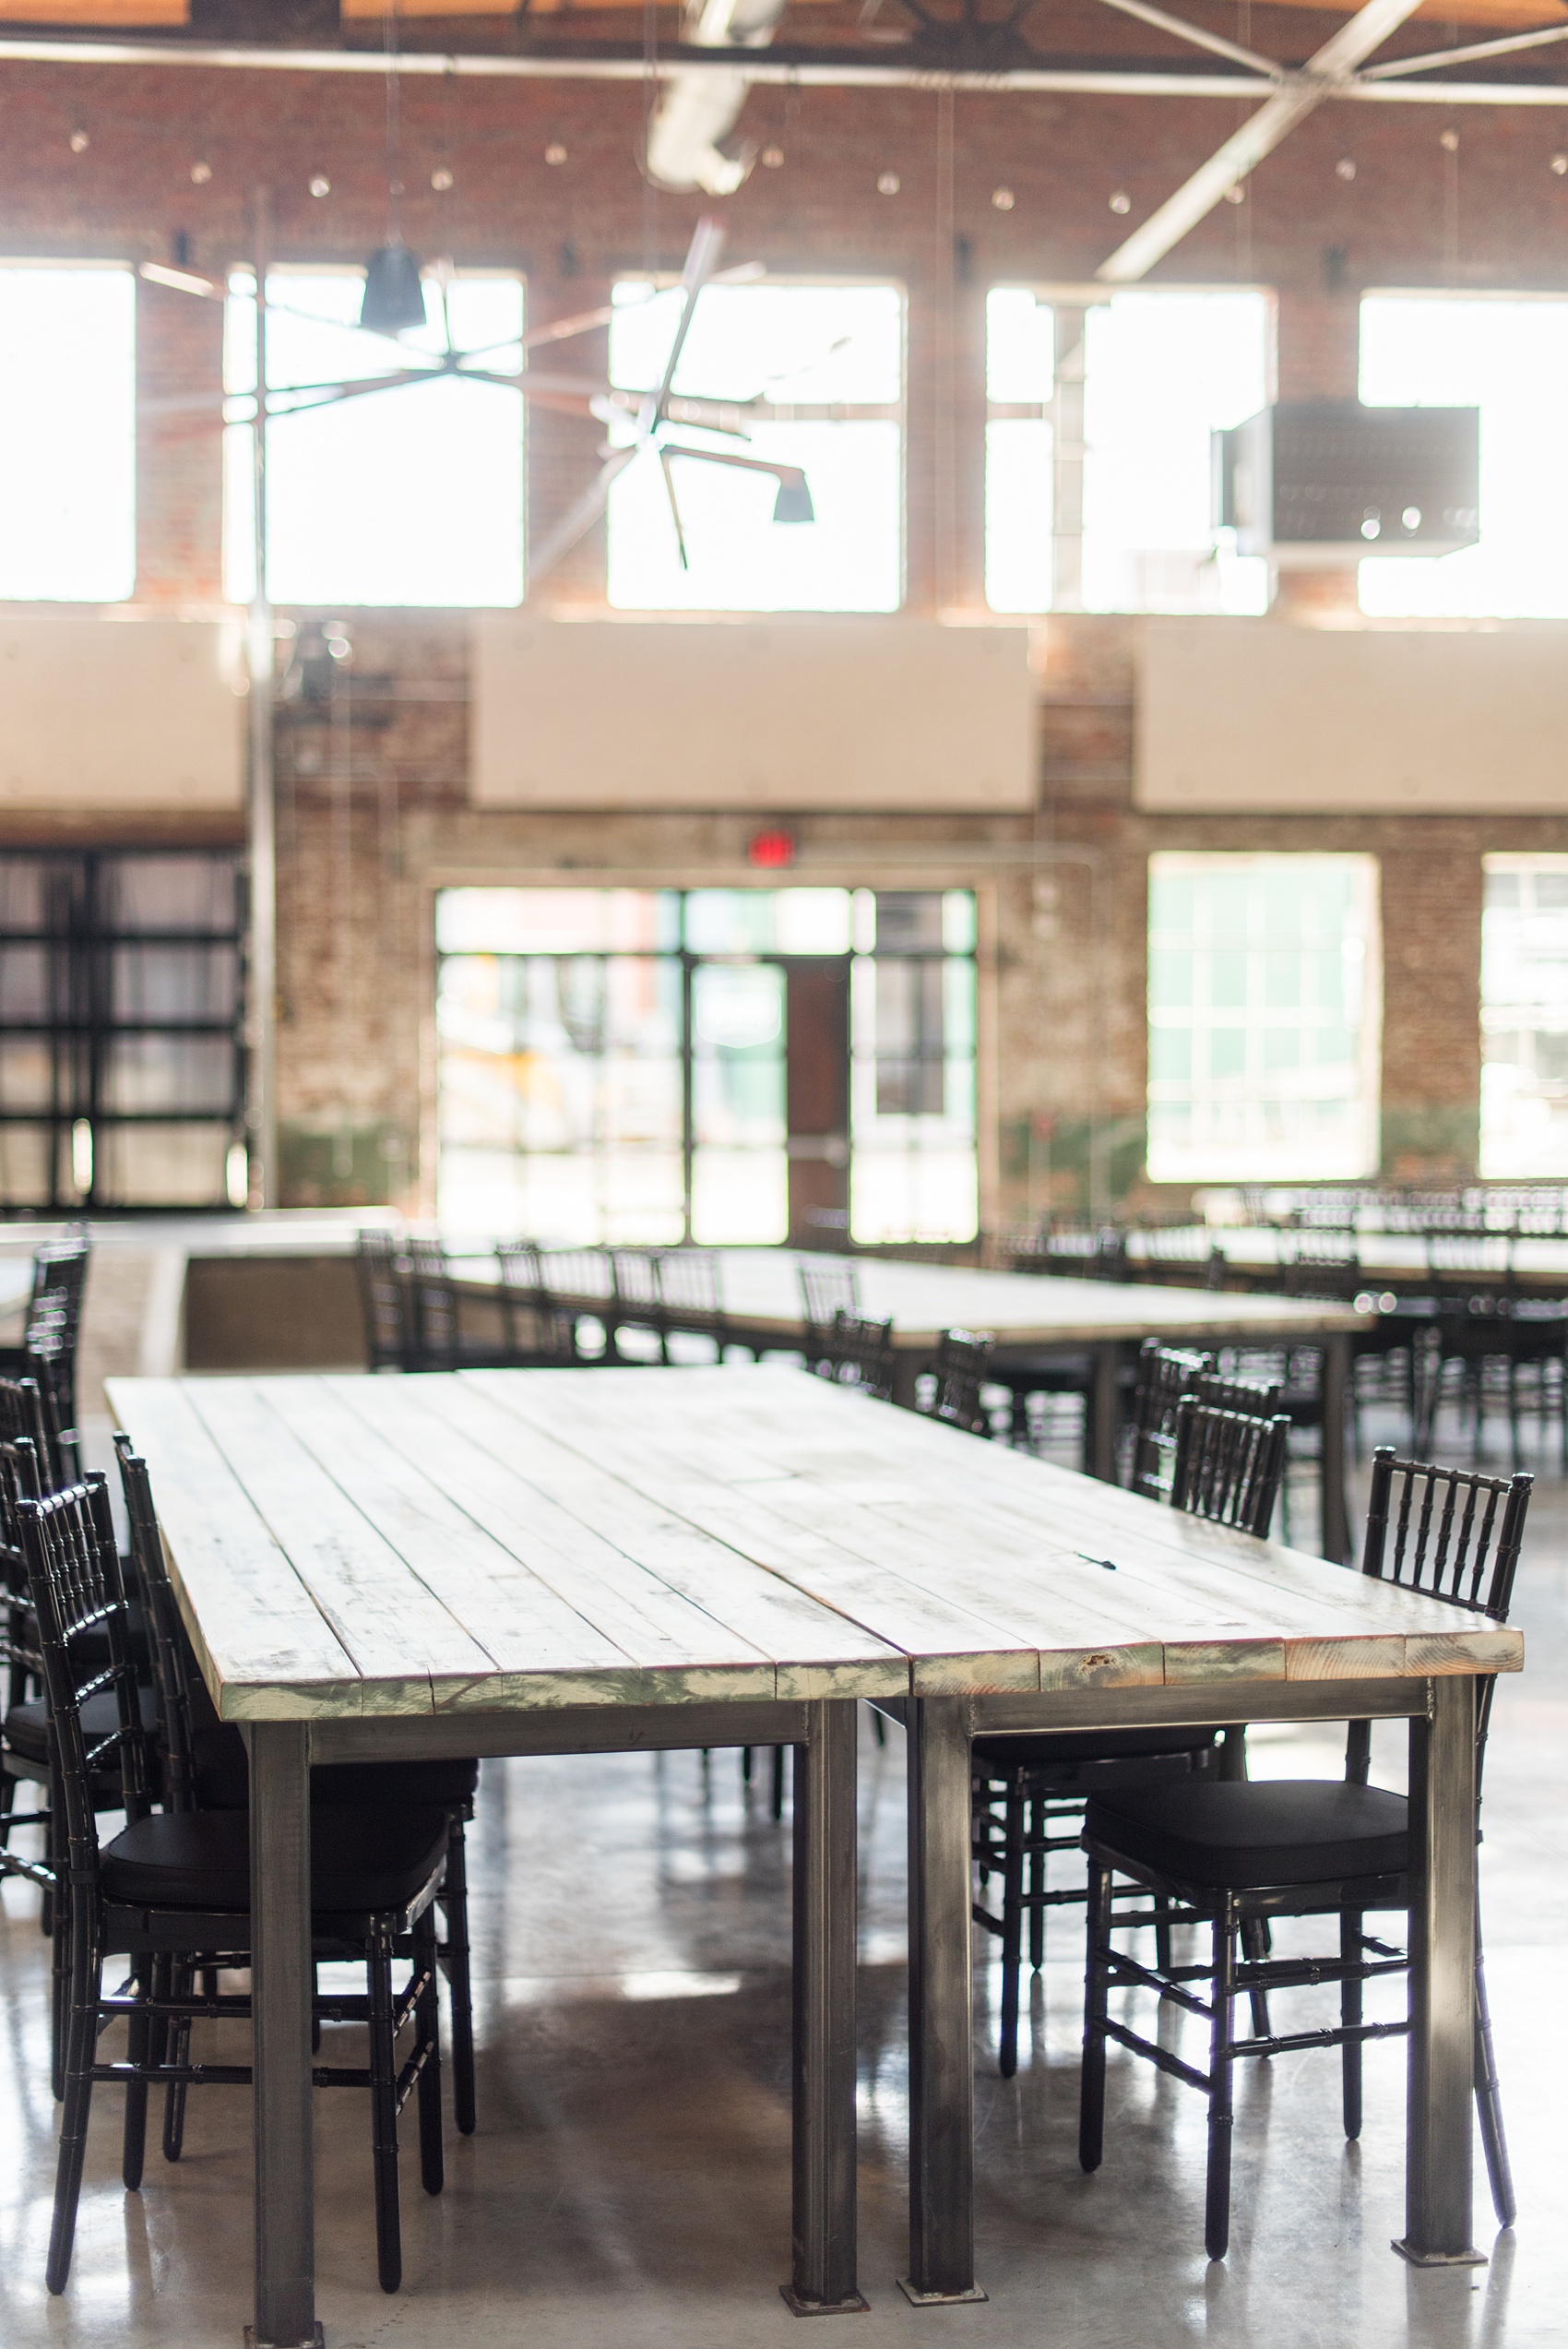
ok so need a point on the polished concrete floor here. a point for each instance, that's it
(629, 2183)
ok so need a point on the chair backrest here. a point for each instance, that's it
(54, 1319)
(1472, 1264)
(1258, 1396)
(74, 1570)
(688, 1283)
(1165, 1375)
(26, 1418)
(1450, 1534)
(433, 1296)
(959, 1368)
(1110, 1260)
(636, 1275)
(383, 1299)
(826, 1290)
(1319, 1260)
(860, 1354)
(521, 1270)
(166, 1632)
(1228, 1465)
(538, 1331)
(576, 1272)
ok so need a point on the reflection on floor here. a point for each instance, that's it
(630, 2186)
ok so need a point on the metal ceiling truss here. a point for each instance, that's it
(1337, 71)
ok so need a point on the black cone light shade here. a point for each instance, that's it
(394, 298)
(793, 503)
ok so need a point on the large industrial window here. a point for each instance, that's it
(830, 359)
(67, 430)
(1161, 372)
(122, 1060)
(722, 1065)
(405, 495)
(1525, 1017)
(1509, 359)
(1264, 1018)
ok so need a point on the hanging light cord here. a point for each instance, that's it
(394, 182)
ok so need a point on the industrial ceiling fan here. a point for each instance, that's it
(393, 288)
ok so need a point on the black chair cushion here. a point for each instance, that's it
(27, 1726)
(359, 1859)
(1261, 1832)
(1088, 1745)
(222, 1778)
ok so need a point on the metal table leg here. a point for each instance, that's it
(823, 2282)
(280, 1993)
(942, 2064)
(1334, 1402)
(1105, 1405)
(1442, 1961)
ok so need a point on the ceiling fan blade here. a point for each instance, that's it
(579, 518)
(562, 330)
(664, 456)
(180, 280)
(702, 259)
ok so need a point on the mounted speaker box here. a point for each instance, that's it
(1318, 482)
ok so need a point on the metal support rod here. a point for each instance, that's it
(1443, 1964)
(942, 2062)
(1070, 324)
(281, 1989)
(262, 1108)
(822, 2281)
(1333, 1403)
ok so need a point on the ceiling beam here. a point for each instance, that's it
(1327, 70)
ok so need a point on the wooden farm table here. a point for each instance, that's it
(1031, 1316)
(556, 1561)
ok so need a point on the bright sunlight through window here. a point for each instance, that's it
(829, 362)
(67, 418)
(1509, 359)
(1162, 371)
(1264, 1018)
(412, 496)
(1525, 1018)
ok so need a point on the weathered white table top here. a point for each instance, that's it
(760, 1286)
(505, 1539)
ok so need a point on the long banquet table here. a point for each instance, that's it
(515, 1562)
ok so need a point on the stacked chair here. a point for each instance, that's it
(1231, 1857)
(169, 1897)
(860, 1353)
(48, 1350)
(1225, 1463)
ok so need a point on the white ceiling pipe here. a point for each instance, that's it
(698, 111)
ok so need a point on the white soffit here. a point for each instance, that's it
(1262, 715)
(122, 714)
(785, 713)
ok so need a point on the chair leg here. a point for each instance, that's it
(81, 2047)
(427, 2017)
(181, 1979)
(1488, 2103)
(146, 1981)
(459, 1983)
(1222, 2087)
(384, 2111)
(1097, 1991)
(1012, 1928)
(879, 1727)
(745, 1765)
(1254, 1949)
(1350, 2016)
(1162, 1933)
(776, 1804)
(1039, 1877)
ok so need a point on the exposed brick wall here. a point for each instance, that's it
(371, 806)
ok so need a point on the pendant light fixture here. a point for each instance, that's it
(394, 296)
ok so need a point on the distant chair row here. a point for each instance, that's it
(421, 1316)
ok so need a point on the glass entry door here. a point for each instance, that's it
(732, 1067)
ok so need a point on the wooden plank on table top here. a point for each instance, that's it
(252, 1621)
(404, 1641)
(905, 1616)
(1064, 1607)
(1249, 1586)
(675, 1596)
(526, 1628)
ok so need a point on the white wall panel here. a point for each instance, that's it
(769, 713)
(118, 714)
(1258, 714)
